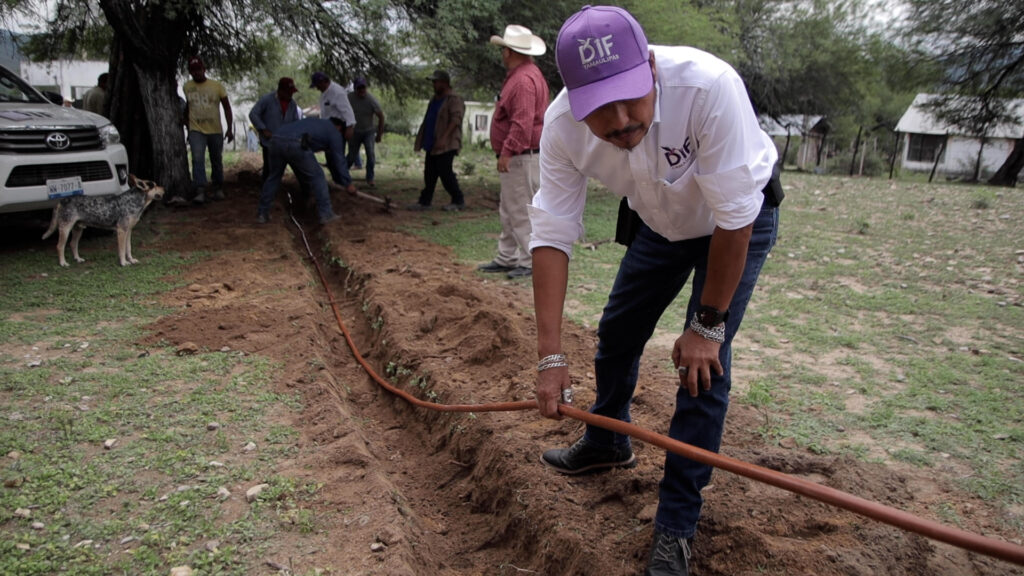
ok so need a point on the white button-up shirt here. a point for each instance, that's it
(334, 104)
(702, 164)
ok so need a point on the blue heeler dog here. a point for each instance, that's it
(120, 212)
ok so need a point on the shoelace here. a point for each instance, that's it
(665, 550)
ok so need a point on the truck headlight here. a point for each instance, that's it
(110, 135)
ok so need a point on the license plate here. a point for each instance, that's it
(64, 187)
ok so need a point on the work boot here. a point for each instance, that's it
(585, 457)
(670, 556)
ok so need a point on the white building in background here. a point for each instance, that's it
(926, 138)
(70, 78)
(476, 126)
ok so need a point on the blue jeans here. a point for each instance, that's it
(651, 275)
(198, 143)
(367, 140)
(284, 153)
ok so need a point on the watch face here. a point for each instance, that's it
(708, 316)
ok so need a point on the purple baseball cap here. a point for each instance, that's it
(602, 56)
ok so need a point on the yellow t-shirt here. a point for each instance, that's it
(204, 105)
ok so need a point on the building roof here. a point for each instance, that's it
(917, 120)
(796, 123)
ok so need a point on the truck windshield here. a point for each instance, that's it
(14, 89)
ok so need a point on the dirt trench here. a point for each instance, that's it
(465, 494)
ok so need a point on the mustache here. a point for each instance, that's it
(627, 131)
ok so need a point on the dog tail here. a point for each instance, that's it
(53, 222)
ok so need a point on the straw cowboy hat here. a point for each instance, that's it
(520, 39)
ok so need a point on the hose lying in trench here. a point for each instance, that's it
(892, 516)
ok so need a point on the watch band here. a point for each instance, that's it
(710, 316)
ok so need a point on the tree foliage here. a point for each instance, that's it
(455, 34)
(980, 48)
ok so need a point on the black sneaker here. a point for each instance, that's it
(493, 266)
(585, 457)
(453, 207)
(669, 556)
(417, 207)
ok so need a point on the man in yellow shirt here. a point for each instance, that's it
(203, 99)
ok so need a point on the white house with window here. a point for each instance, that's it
(925, 139)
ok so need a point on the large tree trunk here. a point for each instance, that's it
(1007, 173)
(163, 114)
(145, 105)
(128, 114)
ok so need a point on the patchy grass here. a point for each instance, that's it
(111, 461)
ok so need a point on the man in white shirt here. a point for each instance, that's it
(672, 130)
(334, 102)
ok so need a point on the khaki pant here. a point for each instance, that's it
(518, 186)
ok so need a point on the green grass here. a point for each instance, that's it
(71, 379)
(888, 322)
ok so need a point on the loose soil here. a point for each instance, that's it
(464, 493)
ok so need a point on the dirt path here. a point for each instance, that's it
(464, 494)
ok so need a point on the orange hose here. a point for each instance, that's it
(892, 516)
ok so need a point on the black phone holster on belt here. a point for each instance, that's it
(627, 224)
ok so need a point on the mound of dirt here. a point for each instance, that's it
(464, 493)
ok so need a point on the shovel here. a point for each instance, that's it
(385, 201)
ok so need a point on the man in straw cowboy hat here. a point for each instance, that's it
(672, 130)
(515, 138)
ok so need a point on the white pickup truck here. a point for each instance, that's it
(48, 152)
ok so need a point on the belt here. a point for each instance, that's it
(532, 151)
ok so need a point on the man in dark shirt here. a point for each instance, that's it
(440, 137)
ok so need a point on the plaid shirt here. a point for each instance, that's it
(519, 113)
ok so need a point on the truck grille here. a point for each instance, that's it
(33, 140)
(37, 175)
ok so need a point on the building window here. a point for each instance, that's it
(924, 147)
(480, 122)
